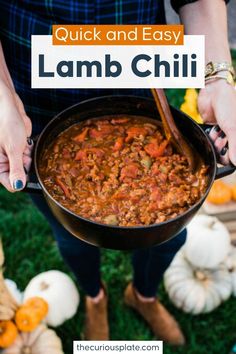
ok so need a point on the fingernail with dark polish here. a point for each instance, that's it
(29, 141)
(222, 135)
(18, 184)
(208, 130)
(217, 128)
(223, 151)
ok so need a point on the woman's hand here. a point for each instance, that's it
(15, 148)
(217, 105)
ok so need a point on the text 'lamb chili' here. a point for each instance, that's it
(120, 170)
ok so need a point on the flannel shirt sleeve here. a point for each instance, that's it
(176, 4)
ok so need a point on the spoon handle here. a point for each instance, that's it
(164, 111)
(172, 133)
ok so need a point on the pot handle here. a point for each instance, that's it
(32, 184)
(221, 171)
(32, 187)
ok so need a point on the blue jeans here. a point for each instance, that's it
(83, 259)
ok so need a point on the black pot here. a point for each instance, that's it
(115, 237)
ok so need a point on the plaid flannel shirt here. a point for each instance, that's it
(19, 19)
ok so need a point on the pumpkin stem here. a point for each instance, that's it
(200, 275)
(212, 223)
(44, 286)
(26, 350)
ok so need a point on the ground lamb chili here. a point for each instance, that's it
(120, 170)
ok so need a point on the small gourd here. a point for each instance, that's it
(31, 313)
(196, 290)
(8, 333)
(38, 305)
(60, 293)
(220, 193)
(208, 242)
(40, 341)
(26, 319)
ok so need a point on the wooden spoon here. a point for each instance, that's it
(171, 131)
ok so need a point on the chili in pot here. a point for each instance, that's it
(120, 170)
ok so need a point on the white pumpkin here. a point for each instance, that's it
(15, 292)
(194, 290)
(59, 291)
(208, 242)
(230, 263)
(41, 341)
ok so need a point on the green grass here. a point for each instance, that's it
(30, 249)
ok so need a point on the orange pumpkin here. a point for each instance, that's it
(233, 190)
(26, 319)
(39, 305)
(8, 333)
(220, 193)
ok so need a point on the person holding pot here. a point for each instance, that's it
(18, 102)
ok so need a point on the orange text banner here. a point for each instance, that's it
(118, 34)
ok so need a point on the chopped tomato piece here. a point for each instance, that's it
(82, 136)
(118, 144)
(133, 132)
(131, 171)
(66, 153)
(156, 194)
(151, 149)
(63, 187)
(94, 133)
(80, 155)
(155, 150)
(101, 132)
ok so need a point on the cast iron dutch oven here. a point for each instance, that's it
(115, 237)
